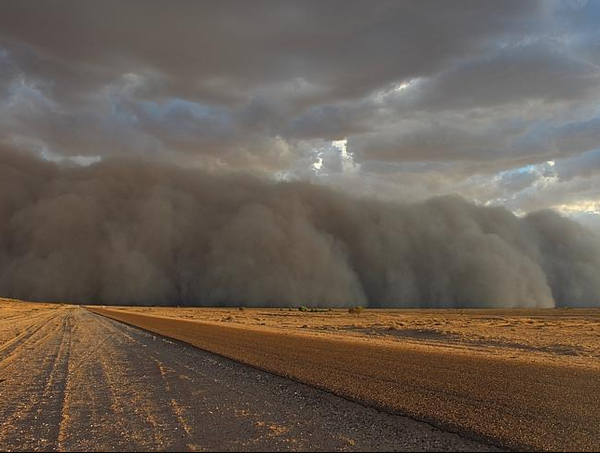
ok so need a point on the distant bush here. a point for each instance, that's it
(355, 310)
(312, 310)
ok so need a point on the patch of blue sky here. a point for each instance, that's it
(526, 169)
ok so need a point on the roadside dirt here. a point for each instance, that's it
(561, 336)
(71, 380)
(513, 401)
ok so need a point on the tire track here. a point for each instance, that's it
(7, 349)
(37, 391)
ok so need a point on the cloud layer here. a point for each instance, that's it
(448, 97)
(125, 232)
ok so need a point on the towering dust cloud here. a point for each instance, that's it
(129, 232)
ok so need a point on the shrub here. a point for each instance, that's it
(355, 310)
(303, 308)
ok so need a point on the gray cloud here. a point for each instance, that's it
(222, 48)
(539, 71)
(293, 71)
(584, 165)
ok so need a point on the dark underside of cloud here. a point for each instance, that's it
(129, 232)
(496, 101)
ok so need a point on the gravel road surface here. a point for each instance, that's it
(515, 404)
(71, 380)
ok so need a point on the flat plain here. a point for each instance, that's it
(524, 380)
(71, 380)
(563, 336)
(381, 380)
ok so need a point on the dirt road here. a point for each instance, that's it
(513, 403)
(73, 380)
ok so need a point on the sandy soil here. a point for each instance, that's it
(71, 380)
(74, 380)
(521, 396)
(564, 336)
(17, 317)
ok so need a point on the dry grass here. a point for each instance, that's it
(564, 335)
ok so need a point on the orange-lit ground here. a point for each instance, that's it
(526, 379)
(72, 378)
(566, 336)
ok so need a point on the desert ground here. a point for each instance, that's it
(563, 336)
(465, 371)
(71, 380)
(85, 378)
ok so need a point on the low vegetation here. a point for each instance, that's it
(355, 310)
(314, 310)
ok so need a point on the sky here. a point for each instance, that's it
(496, 101)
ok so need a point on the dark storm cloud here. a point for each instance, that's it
(8, 73)
(294, 70)
(539, 71)
(432, 96)
(223, 49)
(587, 164)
